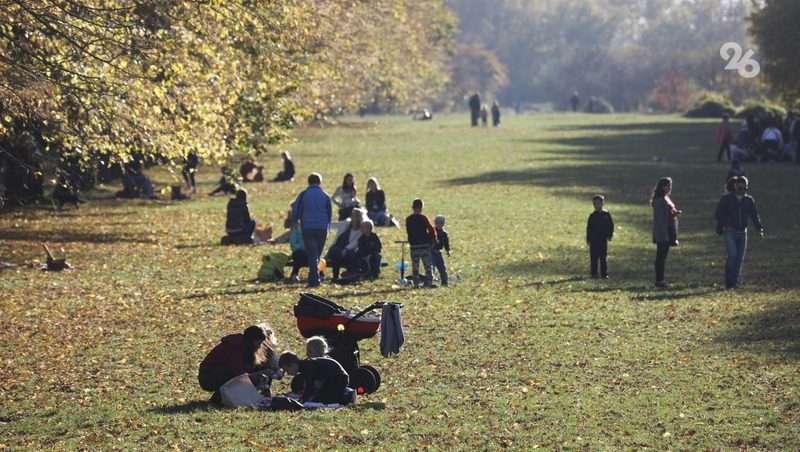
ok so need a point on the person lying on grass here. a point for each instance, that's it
(325, 380)
(251, 352)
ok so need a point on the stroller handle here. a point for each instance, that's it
(373, 306)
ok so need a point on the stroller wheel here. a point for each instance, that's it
(375, 374)
(363, 381)
(297, 384)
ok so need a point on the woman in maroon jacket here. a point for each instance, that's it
(250, 352)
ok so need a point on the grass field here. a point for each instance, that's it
(522, 351)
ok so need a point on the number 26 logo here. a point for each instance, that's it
(746, 65)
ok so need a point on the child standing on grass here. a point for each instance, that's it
(442, 244)
(599, 230)
(421, 236)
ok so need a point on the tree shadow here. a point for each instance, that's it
(188, 407)
(229, 292)
(366, 292)
(73, 237)
(379, 406)
(774, 331)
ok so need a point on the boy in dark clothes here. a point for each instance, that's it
(324, 378)
(442, 244)
(599, 230)
(421, 236)
(369, 249)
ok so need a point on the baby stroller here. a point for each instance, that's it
(342, 329)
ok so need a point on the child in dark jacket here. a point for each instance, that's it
(421, 236)
(324, 378)
(369, 249)
(599, 230)
(442, 244)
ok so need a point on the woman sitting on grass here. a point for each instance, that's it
(238, 223)
(251, 352)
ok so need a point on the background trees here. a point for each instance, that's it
(777, 35)
(90, 78)
(629, 52)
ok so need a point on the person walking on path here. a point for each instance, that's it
(313, 208)
(732, 213)
(724, 137)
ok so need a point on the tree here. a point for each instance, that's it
(111, 78)
(775, 30)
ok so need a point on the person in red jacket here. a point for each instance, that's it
(251, 352)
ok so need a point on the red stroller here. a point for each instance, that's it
(342, 329)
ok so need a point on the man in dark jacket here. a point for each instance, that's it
(732, 213)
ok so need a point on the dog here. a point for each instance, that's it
(63, 195)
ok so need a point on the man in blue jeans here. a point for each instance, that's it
(732, 213)
(313, 208)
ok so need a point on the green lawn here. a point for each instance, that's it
(522, 351)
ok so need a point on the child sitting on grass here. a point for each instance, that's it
(369, 249)
(324, 379)
(316, 347)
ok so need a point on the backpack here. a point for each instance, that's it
(272, 267)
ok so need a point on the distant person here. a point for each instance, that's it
(599, 231)
(725, 137)
(665, 226)
(251, 171)
(496, 114)
(134, 181)
(251, 352)
(736, 170)
(299, 254)
(324, 379)
(442, 244)
(344, 251)
(591, 105)
(238, 224)
(421, 237)
(345, 197)
(732, 213)
(312, 208)
(771, 143)
(575, 101)
(474, 108)
(288, 168)
(746, 129)
(189, 170)
(376, 204)
(484, 113)
(225, 185)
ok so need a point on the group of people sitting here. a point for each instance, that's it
(762, 139)
(253, 352)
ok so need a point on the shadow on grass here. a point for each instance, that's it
(366, 292)
(380, 406)
(181, 246)
(773, 331)
(624, 164)
(73, 237)
(230, 292)
(188, 407)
